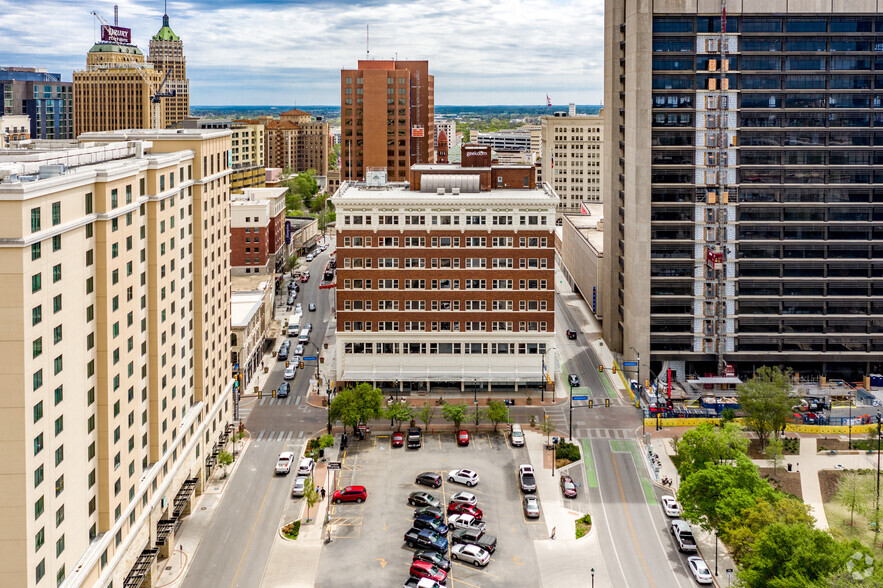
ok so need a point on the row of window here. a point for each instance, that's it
(434, 262)
(443, 219)
(446, 241)
(446, 348)
(523, 305)
(443, 284)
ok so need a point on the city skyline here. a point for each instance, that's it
(517, 53)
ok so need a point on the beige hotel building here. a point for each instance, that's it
(113, 352)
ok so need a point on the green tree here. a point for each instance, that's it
(547, 428)
(425, 415)
(344, 408)
(855, 490)
(224, 460)
(766, 401)
(792, 556)
(311, 495)
(477, 414)
(369, 402)
(727, 416)
(454, 413)
(301, 190)
(497, 413)
(326, 441)
(707, 444)
(741, 532)
(774, 453)
(399, 412)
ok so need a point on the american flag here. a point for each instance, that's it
(548, 100)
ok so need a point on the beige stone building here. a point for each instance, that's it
(166, 53)
(114, 350)
(14, 127)
(571, 158)
(582, 250)
(251, 312)
(295, 141)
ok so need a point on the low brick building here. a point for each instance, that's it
(256, 231)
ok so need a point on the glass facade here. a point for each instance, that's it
(803, 123)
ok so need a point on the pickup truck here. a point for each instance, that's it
(413, 582)
(526, 480)
(283, 465)
(415, 438)
(426, 539)
(475, 537)
(683, 535)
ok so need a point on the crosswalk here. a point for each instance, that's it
(284, 436)
(604, 433)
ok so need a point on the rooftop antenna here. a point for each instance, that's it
(367, 42)
(116, 15)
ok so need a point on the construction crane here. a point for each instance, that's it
(156, 92)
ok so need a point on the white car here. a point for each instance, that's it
(310, 257)
(289, 372)
(671, 506)
(298, 351)
(299, 486)
(464, 498)
(465, 521)
(298, 308)
(467, 477)
(699, 569)
(283, 465)
(306, 466)
(471, 553)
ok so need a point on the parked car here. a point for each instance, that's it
(470, 553)
(415, 438)
(298, 308)
(475, 537)
(433, 511)
(571, 334)
(423, 499)
(291, 298)
(568, 488)
(398, 439)
(531, 506)
(284, 389)
(283, 464)
(429, 479)
(670, 506)
(527, 482)
(468, 477)
(350, 494)
(573, 380)
(460, 508)
(463, 438)
(423, 569)
(434, 558)
(516, 435)
(289, 372)
(426, 539)
(465, 521)
(305, 468)
(427, 521)
(683, 535)
(305, 277)
(700, 570)
(413, 582)
(310, 257)
(299, 487)
(464, 498)
(298, 350)
(311, 307)
(283, 353)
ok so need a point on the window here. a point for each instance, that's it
(39, 539)
(59, 485)
(56, 242)
(89, 203)
(56, 213)
(35, 220)
(35, 251)
(38, 443)
(59, 455)
(114, 198)
(56, 335)
(36, 315)
(59, 425)
(36, 283)
(38, 346)
(59, 516)
(56, 273)
(58, 365)
(38, 379)
(38, 411)
(38, 476)
(59, 394)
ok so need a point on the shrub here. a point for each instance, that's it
(291, 530)
(583, 525)
(568, 451)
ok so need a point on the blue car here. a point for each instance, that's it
(427, 521)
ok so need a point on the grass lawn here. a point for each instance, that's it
(583, 525)
(838, 513)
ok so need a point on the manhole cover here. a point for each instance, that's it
(203, 508)
(168, 567)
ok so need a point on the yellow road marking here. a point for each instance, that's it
(631, 527)
(382, 562)
(517, 561)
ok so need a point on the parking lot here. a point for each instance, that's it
(368, 547)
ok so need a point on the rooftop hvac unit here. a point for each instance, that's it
(440, 191)
(455, 191)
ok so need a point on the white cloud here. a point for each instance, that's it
(503, 52)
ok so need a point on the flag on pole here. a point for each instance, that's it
(548, 100)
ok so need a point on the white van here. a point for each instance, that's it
(516, 435)
(293, 325)
(304, 336)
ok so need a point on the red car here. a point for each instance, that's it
(424, 569)
(568, 488)
(398, 439)
(305, 277)
(350, 494)
(463, 438)
(459, 508)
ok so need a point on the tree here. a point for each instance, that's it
(477, 414)
(399, 412)
(855, 490)
(547, 428)
(740, 533)
(301, 190)
(425, 415)
(766, 401)
(707, 444)
(455, 413)
(224, 460)
(497, 413)
(311, 495)
(792, 555)
(774, 453)
(344, 408)
(369, 402)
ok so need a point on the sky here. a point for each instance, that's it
(290, 52)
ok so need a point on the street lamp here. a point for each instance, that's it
(593, 577)
(570, 419)
(877, 506)
(850, 422)
(543, 383)
(475, 400)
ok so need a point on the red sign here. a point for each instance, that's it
(117, 35)
(417, 132)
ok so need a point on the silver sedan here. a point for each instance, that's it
(531, 507)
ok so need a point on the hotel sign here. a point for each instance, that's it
(117, 35)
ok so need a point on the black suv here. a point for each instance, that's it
(283, 352)
(429, 479)
(283, 390)
(573, 379)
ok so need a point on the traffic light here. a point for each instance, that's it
(600, 369)
(591, 403)
(301, 365)
(287, 363)
(614, 368)
(607, 402)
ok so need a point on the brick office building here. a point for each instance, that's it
(256, 231)
(387, 118)
(449, 267)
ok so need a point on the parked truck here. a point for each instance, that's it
(426, 539)
(415, 438)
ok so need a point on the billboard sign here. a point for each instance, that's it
(288, 232)
(417, 131)
(117, 35)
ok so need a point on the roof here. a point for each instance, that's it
(165, 33)
(114, 48)
(296, 112)
(243, 306)
(282, 125)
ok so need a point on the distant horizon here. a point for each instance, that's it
(338, 106)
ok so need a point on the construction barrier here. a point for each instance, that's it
(817, 429)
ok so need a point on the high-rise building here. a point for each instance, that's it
(458, 264)
(387, 118)
(571, 158)
(297, 141)
(166, 53)
(114, 91)
(43, 97)
(743, 207)
(115, 350)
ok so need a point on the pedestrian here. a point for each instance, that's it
(323, 493)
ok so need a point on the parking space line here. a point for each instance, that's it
(482, 569)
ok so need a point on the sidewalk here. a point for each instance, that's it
(564, 561)
(705, 540)
(194, 526)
